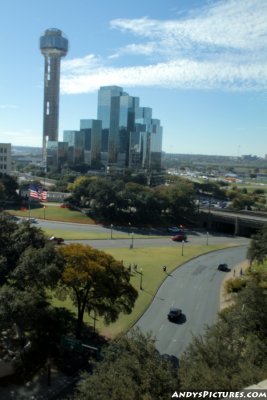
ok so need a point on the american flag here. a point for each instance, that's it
(38, 193)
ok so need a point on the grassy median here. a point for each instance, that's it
(151, 260)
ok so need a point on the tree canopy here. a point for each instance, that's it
(231, 354)
(258, 247)
(95, 281)
(131, 368)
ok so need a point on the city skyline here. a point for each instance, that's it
(200, 65)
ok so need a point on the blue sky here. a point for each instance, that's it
(201, 65)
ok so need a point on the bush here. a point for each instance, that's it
(235, 285)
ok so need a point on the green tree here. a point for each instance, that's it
(29, 264)
(258, 247)
(15, 238)
(94, 280)
(231, 354)
(131, 369)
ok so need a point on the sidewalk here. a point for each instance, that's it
(226, 299)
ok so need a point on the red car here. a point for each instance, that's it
(179, 238)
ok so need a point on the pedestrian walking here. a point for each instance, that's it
(164, 268)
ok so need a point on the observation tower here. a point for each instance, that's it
(53, 45)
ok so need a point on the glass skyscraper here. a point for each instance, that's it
(130, 136)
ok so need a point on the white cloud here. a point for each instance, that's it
(220, 46)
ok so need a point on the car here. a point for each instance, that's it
(57, 240)
(175, 229)
(179, 238)
(223, 267)
(174, 314)
(32, 220)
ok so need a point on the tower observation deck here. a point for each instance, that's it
(53, 45)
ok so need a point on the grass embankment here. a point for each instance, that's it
(151, 261)
(56, 213)
(52, 213)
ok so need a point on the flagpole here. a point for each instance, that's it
(29, 205)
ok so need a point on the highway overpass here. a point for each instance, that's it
(236, 223)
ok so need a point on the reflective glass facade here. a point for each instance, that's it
(129, 134)
(92, 130)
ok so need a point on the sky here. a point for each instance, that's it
(201, 65)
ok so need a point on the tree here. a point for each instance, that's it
(258, 247)
(179, 200)
(10, 186)
(131, 368)
(231, 354)
(15, 239)
(95, 281)
(29, 264)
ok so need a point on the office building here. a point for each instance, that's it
(53, 46)
(130, 136)
(56, 154)
(5, 158)
(92, 130)
(76, 143)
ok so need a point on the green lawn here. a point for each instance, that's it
(151, 261)
(52, 212)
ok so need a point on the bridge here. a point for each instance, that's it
(243, 223)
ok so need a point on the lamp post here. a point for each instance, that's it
(129, 226)
(141, 279)
(207, 239)
(111, 228)
(132, 240)
(44, 211)
(182, 247)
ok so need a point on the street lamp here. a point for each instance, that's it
(207, 241)
(141, 279)
(111, 228)
(182, 247)
(129, 226)
(132, 240)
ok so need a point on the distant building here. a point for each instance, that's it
(124, 135)
(5, 158)
(131, 137)
(56, 153)
(92, 130)
(53, 46)
(76, 143)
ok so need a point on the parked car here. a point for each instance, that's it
(179, 238)
(174, 314)
(57, 240)
(223, 267)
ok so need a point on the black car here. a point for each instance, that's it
(223, 267)
(174, 314)
(57, 240)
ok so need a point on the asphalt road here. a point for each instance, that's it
(194, 237)
(194, 288)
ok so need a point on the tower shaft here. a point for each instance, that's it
(53, 46)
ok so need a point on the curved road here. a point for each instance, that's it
(194, 288)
